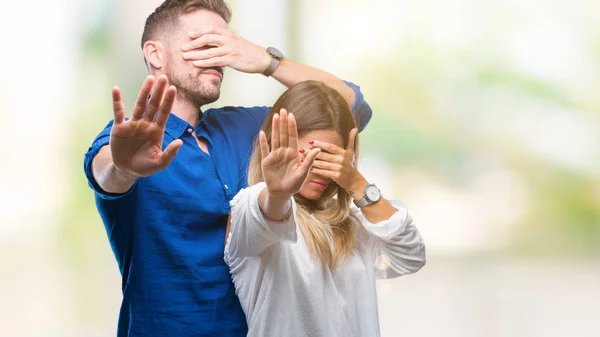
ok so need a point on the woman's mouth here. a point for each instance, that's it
(319, 184)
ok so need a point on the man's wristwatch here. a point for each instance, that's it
(372, 195)
(276, 57)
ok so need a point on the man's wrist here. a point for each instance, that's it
(123, 175)
(266, 62)
(275, 58)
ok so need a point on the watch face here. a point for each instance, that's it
(275, 53)
(373, 193)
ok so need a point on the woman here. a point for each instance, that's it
(303, 262)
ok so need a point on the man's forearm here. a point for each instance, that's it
(290, 73)
(108, 176)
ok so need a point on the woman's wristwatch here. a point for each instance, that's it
(372, 195)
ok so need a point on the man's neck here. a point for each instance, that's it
(186, 110)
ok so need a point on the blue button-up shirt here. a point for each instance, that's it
(167, 232)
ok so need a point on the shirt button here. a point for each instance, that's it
(226, 187)
(190, 130)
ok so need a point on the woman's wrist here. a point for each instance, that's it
(357, 187)
(276, 207)
(275, 196)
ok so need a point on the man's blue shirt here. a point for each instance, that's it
(167, 232)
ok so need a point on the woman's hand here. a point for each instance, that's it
(338, 164)
(283, 171)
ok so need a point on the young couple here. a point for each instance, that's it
(298, 260)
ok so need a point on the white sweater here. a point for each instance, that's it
(286, 292)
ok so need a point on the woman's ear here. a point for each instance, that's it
(154, 54)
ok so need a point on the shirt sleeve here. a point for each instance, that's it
(361, 109)
(101, 140)
(250, 232)
(395, 244)
(257, 115)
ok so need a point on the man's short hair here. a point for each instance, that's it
(165, 18)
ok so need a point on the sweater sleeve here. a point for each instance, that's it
(395, 245)
(250, 232)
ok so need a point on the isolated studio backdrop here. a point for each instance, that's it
(486, 124)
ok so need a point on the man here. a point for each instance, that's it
(165, 207)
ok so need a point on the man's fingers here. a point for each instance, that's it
(218, 61)
(118, 106)
(208, 30)
(142, 99)
(204, 42)
(169, 153)
(352, 139)
(205, 54)
(158, 93)
(275, 132)
(165, 109)
(283, 128)
(264, 146)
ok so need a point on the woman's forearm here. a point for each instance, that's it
(377, 212)
(274, 208)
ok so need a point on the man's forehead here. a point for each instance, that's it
(200, 19)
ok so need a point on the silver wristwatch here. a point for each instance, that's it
(276, 57)
(372, 195)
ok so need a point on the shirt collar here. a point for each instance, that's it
(176, 126)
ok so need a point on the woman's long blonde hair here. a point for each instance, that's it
(317, 107)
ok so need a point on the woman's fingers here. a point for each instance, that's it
(332, 158)
(324, 173)
(292, 132)
(333, 149)
(327, 166)
(264, 146)
(352, 139)
(309, 160)
(275, 132)
(283, 128)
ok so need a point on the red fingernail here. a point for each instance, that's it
(311, 142)
(302, 160)
(302, 150)
(311, 169)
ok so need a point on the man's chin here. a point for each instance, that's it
(211, 92)
(212, 99)
(202, 94)
(207, 97)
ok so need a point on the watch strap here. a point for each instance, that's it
(365, 200)
(272, 67)
(362, 202)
